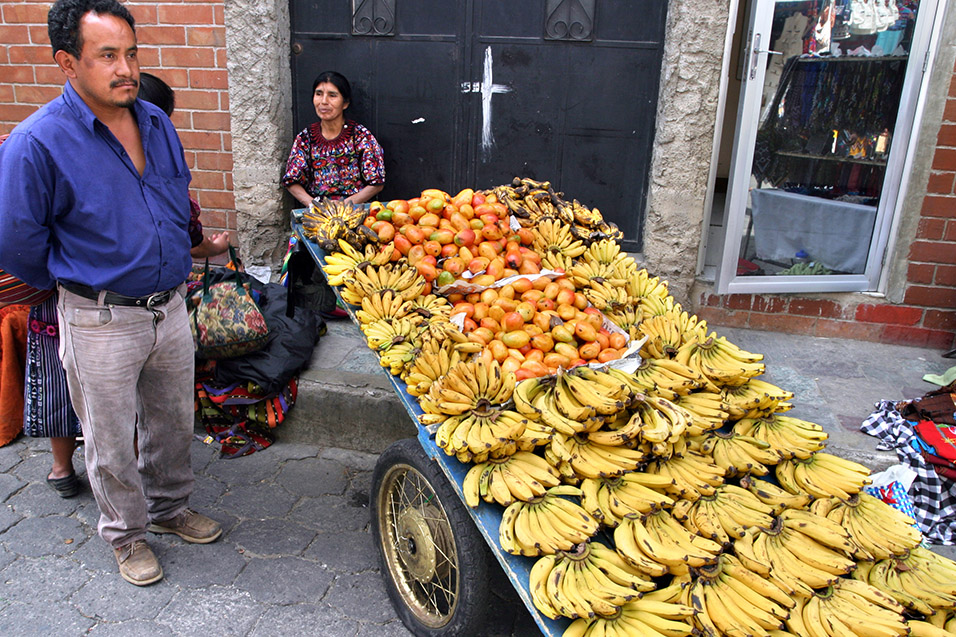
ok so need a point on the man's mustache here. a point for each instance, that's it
(118, 83)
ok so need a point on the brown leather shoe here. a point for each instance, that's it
(191, 526)
(137, 564)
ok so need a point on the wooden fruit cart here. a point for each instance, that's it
(434, 549)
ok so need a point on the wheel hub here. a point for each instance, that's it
(416, 545)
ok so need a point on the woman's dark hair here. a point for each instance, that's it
(336, 79)
(155, 91)
(63, 21)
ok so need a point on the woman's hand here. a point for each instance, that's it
(303, 197)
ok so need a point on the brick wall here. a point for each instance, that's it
(181, 41)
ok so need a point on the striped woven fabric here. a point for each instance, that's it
(13, 291)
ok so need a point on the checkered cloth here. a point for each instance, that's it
(934, 497)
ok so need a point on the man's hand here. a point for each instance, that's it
(211, 246)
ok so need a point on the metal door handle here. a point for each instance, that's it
(755, 53)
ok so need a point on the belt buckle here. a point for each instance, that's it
(156, 299)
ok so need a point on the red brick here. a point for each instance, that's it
(212, 218)
(207, 180)
(6, 93)
(202, 79)
(945, 276)
(49, 74)
(945, 158)
(223, 200)
(188, 57)
(939, 206)
(10, 34)
(933, 251)
(847, 329)
(931, 228)
(176, 78)
(27, 94)
(206, 36)
(16, 113)
(224, 101)
(214, 161)
(222, 58)
(39, 35)
(25, 54)
(228, 177)
(737, 301)
(18, 74)
(769, 304)
(947, 135)
(184, 14)
(886, 313)
(220, 12)
(227, 141)
(949, 111)
(815, 307)
(916, 337)
(24, 13)
(920, 272)
(149, 58)
(144, 13)
(197, 100)
(721, 316)
(924, 296)
(950, 234)
(160, 35)
(940, 320)
(200, 140)
(783, 323)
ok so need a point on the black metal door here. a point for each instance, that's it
(470, 93)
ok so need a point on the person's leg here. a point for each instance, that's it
(62, 448)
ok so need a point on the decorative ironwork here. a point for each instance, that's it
(373, 17)
(569, 20)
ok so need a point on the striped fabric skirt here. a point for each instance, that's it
(47, 412)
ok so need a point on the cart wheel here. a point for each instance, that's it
(434, 560)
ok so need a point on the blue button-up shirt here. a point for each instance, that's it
(74, 208)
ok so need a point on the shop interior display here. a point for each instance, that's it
(643, 467)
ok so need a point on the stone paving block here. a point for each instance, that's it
(50, 579)
(98, 599)
(358, 460)
(51, 535)
(9, 484)
(257, 467)
(188, 565)
(271, 537)
(351, 552)
(264, 500)
(36, 464)
(95, 555)
(132, 628)
(305, 619)
(285, 580)
(8, 517)
(394, 628)
(217, 611)
(37, 499)
(43, 618)
(361, 596)
(330, 514)
(314, 477)
(9, 457)
(207, 493)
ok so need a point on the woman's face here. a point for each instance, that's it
(328, 101)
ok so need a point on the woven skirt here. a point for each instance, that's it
(47, 411)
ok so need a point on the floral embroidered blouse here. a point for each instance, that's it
(335, 168)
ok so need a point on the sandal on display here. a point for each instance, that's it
(65, 487)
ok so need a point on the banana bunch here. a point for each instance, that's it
(730, 599)
(628, 318)
(654, 420)
(473, 435)
(789, 437)
(922, 581)
(610, 499)
(384, 334)
(663, 337)
(847, 608)
(773, 496)
(664, 377)
(606, 295)
(537, 398)
(755, 399)
(588, 270)
(557, 247)
(328, 221)
(642, 285)
(736, 454)
(878, 530)
(660, 538)
(933, 627)
(519, 476)
(340, 265)
(434, 360)
(384, 305)
(638, 617)
(651, 306)
(806, 551)
(823, 475)
(403, 280)
(398, 357)
(724, 516)
(586, 581)
(607, 252)
(568, 476)
(592, 460)
(582, 393)
(430, 307)
(546, 525)
(720, 360)
(707, 409)
(694, 475)
(469, 386)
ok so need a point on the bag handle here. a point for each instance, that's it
(206, 292)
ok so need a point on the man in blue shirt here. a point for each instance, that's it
(93, 199)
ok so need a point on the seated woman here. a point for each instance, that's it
(334, 157)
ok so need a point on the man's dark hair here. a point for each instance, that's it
(155, 91)
(63, 21)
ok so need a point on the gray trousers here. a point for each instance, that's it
(131, 369)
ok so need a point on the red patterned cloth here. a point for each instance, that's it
(335, 168)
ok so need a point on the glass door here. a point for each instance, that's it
(826, 111)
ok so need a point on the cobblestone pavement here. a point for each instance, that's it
(296, 556)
